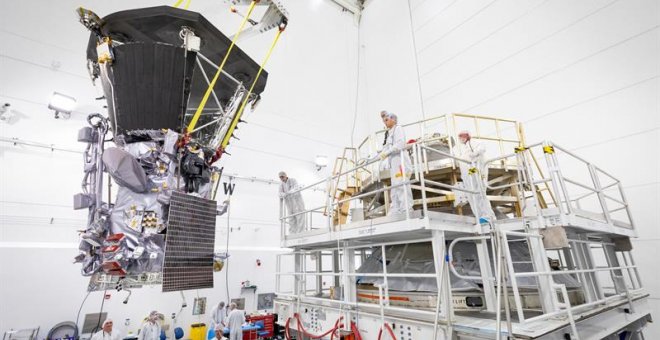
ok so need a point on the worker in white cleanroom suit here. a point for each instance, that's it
(384, 166)
(475, 152)
(151, 328)
(400, 168)
(235, 321)
(219, 315)
(106, 332)
(293, 202)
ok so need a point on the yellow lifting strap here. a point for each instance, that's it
(200, 108)
(178, 3)
(239, 113)
(548, 149)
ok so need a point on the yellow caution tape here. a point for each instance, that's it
(237, 117)
(548, 149)
(198, 113)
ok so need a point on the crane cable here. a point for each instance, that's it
(239, 113)
(198, 113)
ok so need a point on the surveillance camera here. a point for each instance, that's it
(6, 113)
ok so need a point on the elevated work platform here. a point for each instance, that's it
(536, 245)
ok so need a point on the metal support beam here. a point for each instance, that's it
(349, 289)
(486, 272)
(319, 269)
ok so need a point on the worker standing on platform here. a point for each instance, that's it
(293, 202)
(384, 166)
(400, 166)
(475, 152)
(383, 117)
(235, 322)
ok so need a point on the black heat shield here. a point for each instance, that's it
(149, 68)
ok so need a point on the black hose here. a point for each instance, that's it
(79, 309)
(98, 323)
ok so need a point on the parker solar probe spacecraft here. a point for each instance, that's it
(172, 112)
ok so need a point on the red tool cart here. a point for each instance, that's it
(268, 321)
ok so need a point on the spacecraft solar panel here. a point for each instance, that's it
(189, 243)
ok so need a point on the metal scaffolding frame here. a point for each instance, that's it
(536, 178)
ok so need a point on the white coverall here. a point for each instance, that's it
(103, 335)
(235, 321)
(218, 317)
(150, 331)
(475, 151)
(294, 204)
(400, 171)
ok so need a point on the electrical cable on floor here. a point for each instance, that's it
(80, 309)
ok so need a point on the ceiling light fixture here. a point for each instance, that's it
(320, 162)
(62, 104)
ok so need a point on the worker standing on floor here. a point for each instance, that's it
(395, 154)
(293, 202)
(475, 152)
(106, 332)
(235, 321)
(151, 328)
(219, 315)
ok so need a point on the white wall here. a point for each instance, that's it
(583, 74)
(305, 108)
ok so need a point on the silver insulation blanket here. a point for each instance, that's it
(418, 258)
